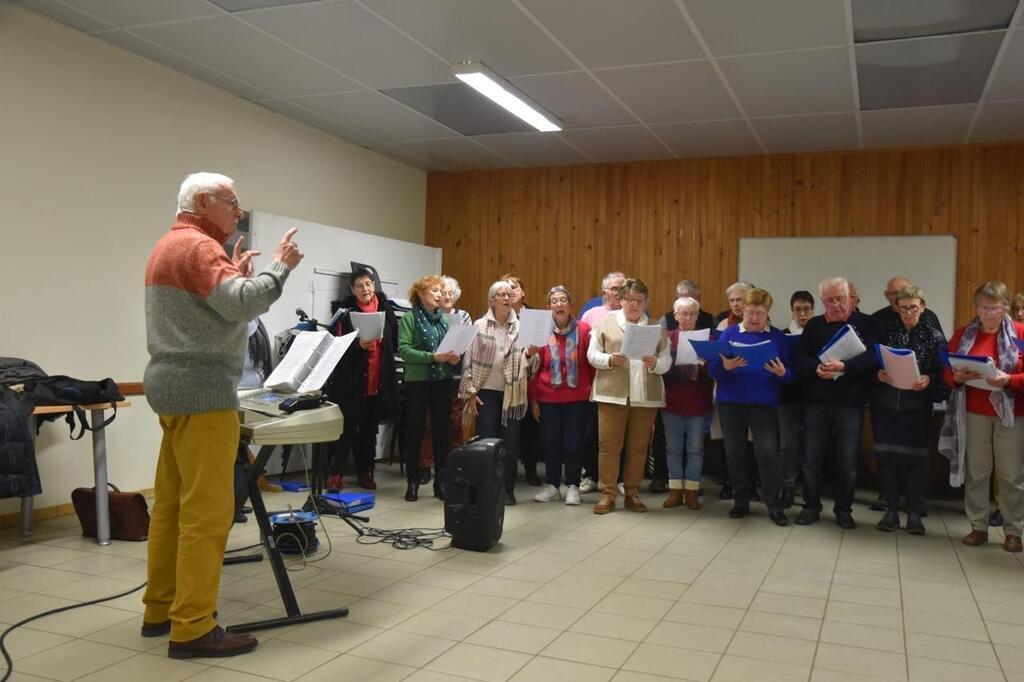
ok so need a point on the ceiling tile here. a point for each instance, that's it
(924, 71)
(354, 41)
(1009, 79)
(374, 114)
(628, 143)
(999, 121)
(459, 107)
(310, 118)
(123, 13)
(749, 26)
(533, 149)
(887, 20)
(709, 138)
(821, 132)
(667, 93)
(454, 153)
(161, 55)
(616, 33)
(814, 81)
(239, 50)
(916, 126)
(575, 98)
(66, 15)
(491, 31)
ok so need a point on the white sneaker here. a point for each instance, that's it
(622, 489)
(548, 494)
(588, 485)
(572, 495)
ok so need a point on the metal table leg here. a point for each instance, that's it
(99, 463)
(28, 502)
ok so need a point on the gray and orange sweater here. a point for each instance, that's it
(197, 308)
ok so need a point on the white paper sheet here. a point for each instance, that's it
(902, 367)
(640, 340)
(847, 347)
(452, 319)
(326, 362)
(534, 328)
(458, 338)
(294, 366)
(987, 369)
(685, 355)
(370, 325)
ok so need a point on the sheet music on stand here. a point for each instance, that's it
(309, 362)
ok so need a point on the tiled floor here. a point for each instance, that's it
(566, 596)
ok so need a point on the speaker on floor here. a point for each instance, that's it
(474, 501)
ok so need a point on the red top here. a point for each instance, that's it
(541, 390)
(985, 344)
(687, 387)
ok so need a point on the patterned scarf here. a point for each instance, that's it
(431, 327)
(572, 338)
(481, 356)
(953, 435)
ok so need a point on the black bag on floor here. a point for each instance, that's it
(474, 500)
(65, 390)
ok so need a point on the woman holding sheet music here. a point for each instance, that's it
(748, 399)
(901, 415)
(983, 422)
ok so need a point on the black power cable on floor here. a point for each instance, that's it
(3, 636)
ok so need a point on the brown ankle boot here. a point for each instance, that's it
(691, 500)
(606, 505)
(633, 504)
(675, 499)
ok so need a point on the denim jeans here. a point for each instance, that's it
(684, 447)
(562, 427)
(763, 423)
(488, 425)
(821, 423)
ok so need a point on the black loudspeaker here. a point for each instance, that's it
(474, 499)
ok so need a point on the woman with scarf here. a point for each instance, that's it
(428, 381)
(980, 425)
(559, 398)
(494, 379)
(902, 418)
(364, 384)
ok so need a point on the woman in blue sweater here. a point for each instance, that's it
(748, 399)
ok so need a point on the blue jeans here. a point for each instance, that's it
(821, 423)
(562, 428)
(684, 447)
(488, 425)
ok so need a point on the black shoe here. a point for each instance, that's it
(412, 492)
(878, 505)
(658, 485)
(890, 522)
(439, 486)
(778, 517)
(726, 492)
(996, 519)
(510, 499)
(787, 497)
(424, 475)
(807, 517)
(845, 520)
(914, 525)
(739, 511)
(924, 511)
(533, 479)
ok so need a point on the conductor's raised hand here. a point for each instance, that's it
(243, 259)
(287, 251)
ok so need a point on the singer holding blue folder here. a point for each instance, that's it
(748, 398)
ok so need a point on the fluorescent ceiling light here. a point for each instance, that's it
(504, 94)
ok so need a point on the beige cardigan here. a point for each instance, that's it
(632, 383)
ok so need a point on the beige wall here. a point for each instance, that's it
(94, 142)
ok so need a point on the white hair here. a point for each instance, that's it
(451, 282)
(200, 183)
(685, 302)
(840, 282)
(741, 285)
(610, 276)
(496, 287)
(688, 288)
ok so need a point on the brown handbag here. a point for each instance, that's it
(129, 513)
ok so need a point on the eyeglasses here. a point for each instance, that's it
(803, 309)
(612, 290)
(836, 300)
(233, 201)
(755, 313)
(558, 301)
(634, 301)
(990, 309)
(503, 294)
(910, 309)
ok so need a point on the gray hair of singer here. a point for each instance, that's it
(688, 288)
(910, 291)
(453, 284)
(741, 285)
(200, 183)
(610, 276)
(840, 282)
(497, 287)
(994, 291)
(559, 289)
(684, 302)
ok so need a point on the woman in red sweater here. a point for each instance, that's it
(982, 423)
(559, 392)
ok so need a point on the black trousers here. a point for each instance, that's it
(763, 423)
(359, 438)
(910, 469)
(423, 398)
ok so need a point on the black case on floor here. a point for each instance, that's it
(474, 501)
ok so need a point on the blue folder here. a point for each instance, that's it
(755, 356)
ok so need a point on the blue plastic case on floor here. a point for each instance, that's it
(351, 503)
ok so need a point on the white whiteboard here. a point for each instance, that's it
(786, 264)
(329, 250)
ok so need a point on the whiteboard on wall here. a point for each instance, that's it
(787, 264)
(328, 252)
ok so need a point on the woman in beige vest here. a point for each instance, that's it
(629, 394)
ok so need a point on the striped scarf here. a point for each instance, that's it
(572, 339)
(481, 356)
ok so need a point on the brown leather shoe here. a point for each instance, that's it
(217, 643)
(691, 500)
(606, 505)
(975, 538)
(633, 504)
(674, 499)
(1012, 544)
